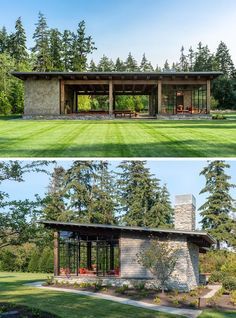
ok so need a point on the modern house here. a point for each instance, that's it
(169, 93)
(86, 252)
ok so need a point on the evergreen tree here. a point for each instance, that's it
(131, 64)
(204, 60)
(142, 201)
(92, 66)
(145, 65)
(224, 60)
(223, 90)
(119, 65)
(102, 206)
(166, 66)
(105, 64)
(17, 44)
(158, 69)
(4, 39)
(55, 47)
(54, 202)
(82, 45)
(161, 213)
(90, 199)
(46, 261)
(216, 210)
(66, 51)
(183, 62)
(191, 56)
(33, 266)
(41, 48)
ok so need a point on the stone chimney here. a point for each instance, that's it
(185, 212)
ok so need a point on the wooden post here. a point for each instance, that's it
(56, 254)
(150, 104)
(159, 93)
(110, 97)
(62, 90)
(208, 99)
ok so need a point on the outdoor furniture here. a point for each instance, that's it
(125, 113)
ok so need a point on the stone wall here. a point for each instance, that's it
(42, 97)
(187, 99)
(185, 212)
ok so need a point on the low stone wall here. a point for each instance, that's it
(69, 117)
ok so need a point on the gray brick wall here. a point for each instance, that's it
(42, 97)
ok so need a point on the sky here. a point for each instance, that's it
(157, 27)
(180, 176)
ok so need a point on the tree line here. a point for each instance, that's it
(92, 192)
(68, 50)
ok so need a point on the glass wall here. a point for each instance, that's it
(88, 255)
(184, 99)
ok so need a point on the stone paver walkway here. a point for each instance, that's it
(213, 289)
(190, 313)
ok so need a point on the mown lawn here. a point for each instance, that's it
(13, 290)
(117, 138)
(65, 304)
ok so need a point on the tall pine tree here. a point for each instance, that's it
(41, 49)
(54, 204)
(224, 60)
(142, 201)
(55, 50)
(81, 47)
(216, 210)
(17, 44)
(66, 51)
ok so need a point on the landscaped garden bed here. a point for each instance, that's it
(8, 310)
(222, 299)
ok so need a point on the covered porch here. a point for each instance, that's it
(117, 94)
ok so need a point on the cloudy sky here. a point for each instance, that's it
(157, 27)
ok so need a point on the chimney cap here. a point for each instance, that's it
(185, 199)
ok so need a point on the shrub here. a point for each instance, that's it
(194, 303)
(97, 285)
(212, 301)
(193, 293)
(216, 277)
(157, 300)
(49, 281)
(143, 293)
(76, 285)
(218, 116)
(175, 302)
(122, 289)
(84, 285)
(229, 283)
(233, 298)
(140, 286)
(184, 298)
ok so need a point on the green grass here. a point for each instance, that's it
(117, 138)
(65, 304)
(73, 306)
(212, 313)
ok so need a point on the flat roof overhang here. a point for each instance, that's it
(201, 238)
(117, 75)
(124, 83)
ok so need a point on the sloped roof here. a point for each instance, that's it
(205, 240)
